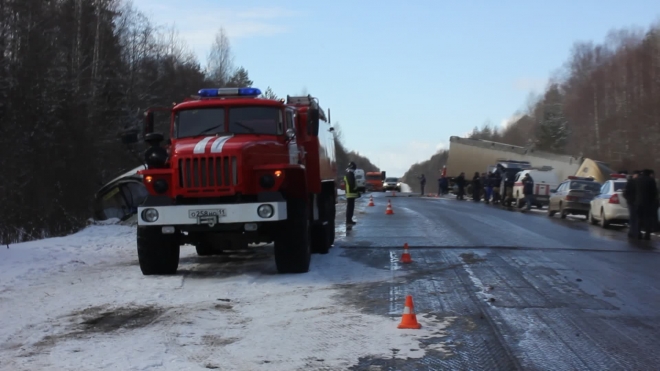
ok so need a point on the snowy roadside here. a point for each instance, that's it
(81, 303)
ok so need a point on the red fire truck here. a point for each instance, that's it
(238, 169)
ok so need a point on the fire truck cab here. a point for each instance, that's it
(238, 170)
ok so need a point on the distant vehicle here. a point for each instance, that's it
(573, 196)
(392, 184)
(476, 155)
(609, 206)
(360, 180)
(544, 180)
(508, 171)
(375, 180)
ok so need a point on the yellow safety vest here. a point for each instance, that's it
(349, 191)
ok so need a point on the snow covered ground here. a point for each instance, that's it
(81, 303)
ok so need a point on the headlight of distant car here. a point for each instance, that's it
(398, 184)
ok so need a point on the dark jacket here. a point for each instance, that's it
(476, 182)
(460, 181)
(630, 192)
(528, 186)
(646, 193)
(422, 180)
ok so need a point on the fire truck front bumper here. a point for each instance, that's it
(211, 215)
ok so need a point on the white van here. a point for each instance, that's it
(360, 180)
(544, 179)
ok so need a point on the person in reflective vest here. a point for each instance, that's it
(351, 192)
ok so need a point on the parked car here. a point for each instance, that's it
(544, 180)
(609, 206)
(120, 197)
(391, 184)
(573, 197)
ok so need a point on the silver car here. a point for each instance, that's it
(391, 184)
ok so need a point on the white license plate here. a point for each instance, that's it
(194, 214)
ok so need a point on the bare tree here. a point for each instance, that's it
(220, 65)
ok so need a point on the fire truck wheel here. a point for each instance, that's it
(207, 250)
(332, 214)
(158, 254)
(292, 250)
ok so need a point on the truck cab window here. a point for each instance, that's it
(194, 122)
(254, 120)
(290, 121)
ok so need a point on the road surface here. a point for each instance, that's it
(522, 290)
(493, 290)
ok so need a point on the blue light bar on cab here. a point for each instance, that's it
(226, 92)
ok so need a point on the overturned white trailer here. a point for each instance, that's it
(476, 155)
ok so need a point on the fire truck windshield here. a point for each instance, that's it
(242, 120)
(194, 122)
(255, 120)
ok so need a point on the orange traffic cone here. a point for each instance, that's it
(405, 257)
(371, 201)
(409, 319)
(393, 194)
(389, 210)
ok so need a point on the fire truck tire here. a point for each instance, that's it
(206, 250)
(292, 247)
(158, 254)
(332, 214)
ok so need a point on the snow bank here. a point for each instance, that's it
(80, 302)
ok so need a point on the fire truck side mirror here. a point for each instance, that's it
(313, 122)
(148, 122)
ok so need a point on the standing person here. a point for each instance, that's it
(490, 179)
(460, 183)
(629, 193)
(351, 192)
(646, 198)
(476, 187)
(422, 183)
(482, 191)
(497, 181)
(528, 191)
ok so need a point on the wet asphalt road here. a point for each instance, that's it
(524, 291)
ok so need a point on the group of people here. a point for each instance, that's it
(484, 185)
(641, 194)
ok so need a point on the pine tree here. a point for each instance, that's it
(270, 94)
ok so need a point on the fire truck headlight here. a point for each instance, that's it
(160, 186)
(265, 211)
(150, 215)
(267, 181)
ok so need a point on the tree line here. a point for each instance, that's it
(73, 75)
(603, 103)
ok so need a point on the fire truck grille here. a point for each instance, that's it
(208, 172)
